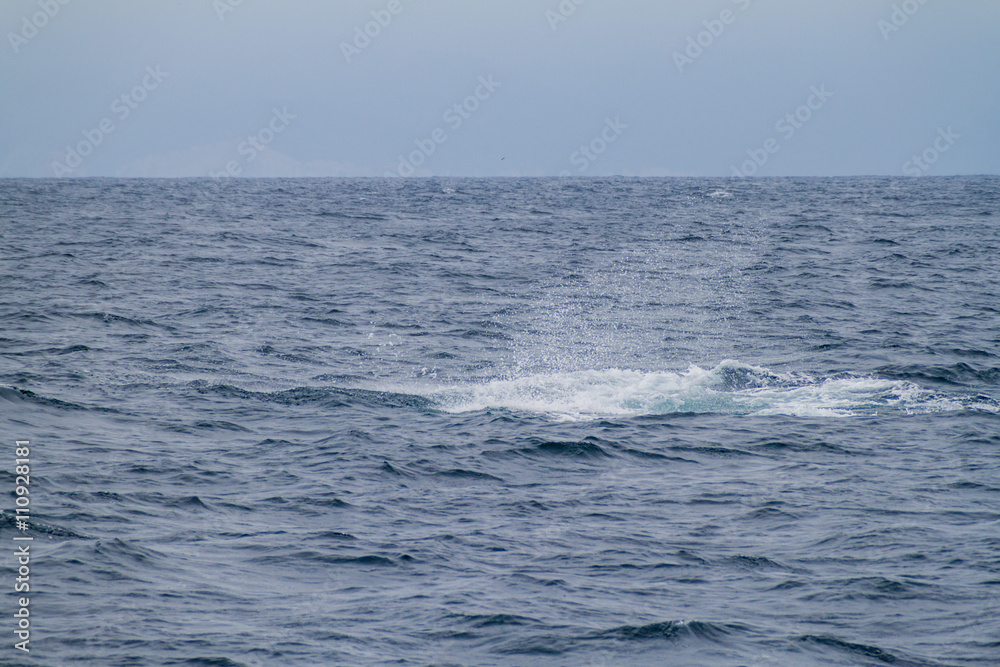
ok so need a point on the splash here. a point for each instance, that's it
(729, 388)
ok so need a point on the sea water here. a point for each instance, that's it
(504, 422)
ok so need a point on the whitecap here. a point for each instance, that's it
(729, 388)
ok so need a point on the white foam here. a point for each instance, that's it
(729, 388)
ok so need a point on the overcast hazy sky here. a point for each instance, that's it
(543, 87)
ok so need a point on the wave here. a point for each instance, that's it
(729, 388)
(18, 395)
(715, 632)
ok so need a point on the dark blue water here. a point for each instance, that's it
(505, 422)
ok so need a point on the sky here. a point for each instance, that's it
(286, 88)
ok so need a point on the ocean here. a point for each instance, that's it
(556, 422)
